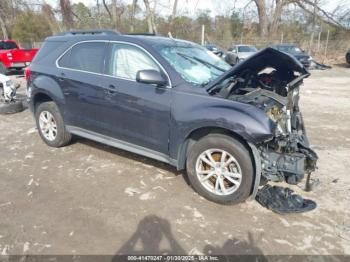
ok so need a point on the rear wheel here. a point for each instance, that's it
(348, 57)
(220, 169)
(51, 126)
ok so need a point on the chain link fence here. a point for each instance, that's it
(323, 50)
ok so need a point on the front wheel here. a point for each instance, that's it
(220, 169)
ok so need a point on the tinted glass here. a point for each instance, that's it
(85, 57)
(289, 49)
(65, 60)
(46, 49)
(247, 49)
(7, 45)
(127, 60)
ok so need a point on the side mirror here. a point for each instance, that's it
(151, 77)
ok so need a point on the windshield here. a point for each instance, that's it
(7, 45)
(195, 64)
(289, 49)
(246, 49)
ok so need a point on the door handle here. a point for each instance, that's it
(111, 89)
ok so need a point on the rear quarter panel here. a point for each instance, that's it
(47, 84)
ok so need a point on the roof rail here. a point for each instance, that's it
(145, 34)
(90, 32)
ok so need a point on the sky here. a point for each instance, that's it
(215, 6)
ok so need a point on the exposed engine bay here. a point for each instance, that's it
(271, 81)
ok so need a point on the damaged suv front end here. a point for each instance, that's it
(271, 80)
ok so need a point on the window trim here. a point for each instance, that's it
(104, 74)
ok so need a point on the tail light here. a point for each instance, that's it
(9, 56)
(27, 73)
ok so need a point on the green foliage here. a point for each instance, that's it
(30, 27)
(82, 16)
(236, 24)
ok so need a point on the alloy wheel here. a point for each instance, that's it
(218, 172)
(48, 126)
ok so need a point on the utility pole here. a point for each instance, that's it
(203, 34)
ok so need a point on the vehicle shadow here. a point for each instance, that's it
(130, 155)
(344, 65)
(154, 236)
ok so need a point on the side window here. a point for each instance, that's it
(85, 56)
(46, 49)
(127, 60)
(65, 60)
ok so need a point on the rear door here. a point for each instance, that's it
(83, 84)
(139, 113)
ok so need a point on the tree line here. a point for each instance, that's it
(33, 20)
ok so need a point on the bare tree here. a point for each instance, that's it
(263, 19)
(132, 15)
(114, 13)
(276, 17)
(270, 26)
(174, 12)
(269, 22)
(107, 9)
(3, 28)
(49, 15)
(152, 28)
(314, 9)
(67, 15)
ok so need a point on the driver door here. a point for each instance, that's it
(139, 113)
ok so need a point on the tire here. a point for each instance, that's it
(11, 108)
(238, 193)
(60, 137)
(348, 57)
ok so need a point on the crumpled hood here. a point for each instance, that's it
(267, 57)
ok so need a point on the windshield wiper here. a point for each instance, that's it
(201, 61)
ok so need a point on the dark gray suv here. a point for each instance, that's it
(232, 129)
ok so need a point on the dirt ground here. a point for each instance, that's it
(88, 198)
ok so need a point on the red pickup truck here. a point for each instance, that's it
(13, 57)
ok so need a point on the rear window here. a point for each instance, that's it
(7, 45)
(47, 48)
(87, 57)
